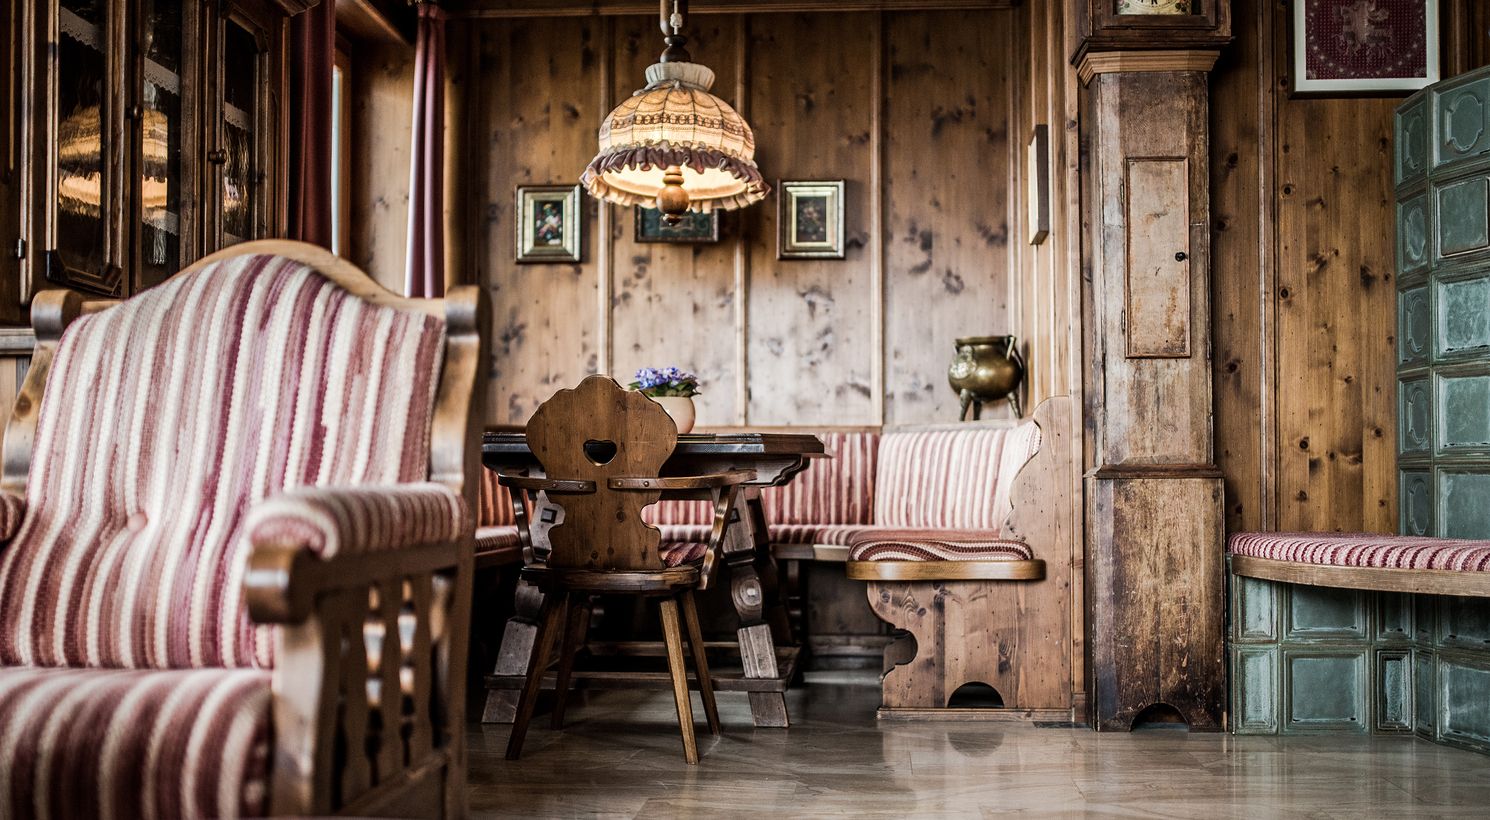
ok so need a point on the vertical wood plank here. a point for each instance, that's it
(382, 109)
(947, 226)
(540, 130)
(674, 304)
(809, 340)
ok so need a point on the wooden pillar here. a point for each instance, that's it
(1155, 598)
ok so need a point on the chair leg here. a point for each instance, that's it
(555, 604)
(700, 661)
(674, 637)
(574, 639)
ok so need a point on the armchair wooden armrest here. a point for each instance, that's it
(12, 510)
(362, 582)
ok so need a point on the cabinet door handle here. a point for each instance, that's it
(217, 156)
(1180, 256)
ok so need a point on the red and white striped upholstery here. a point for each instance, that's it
(1359, 549)
(919, 548)
(495, 502)
(959, 479)
(831, 491)
(121, 743)
(364, 519)
(678, 553)
(165, 420)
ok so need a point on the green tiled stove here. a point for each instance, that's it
(1318, 660)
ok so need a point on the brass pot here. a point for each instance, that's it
(986, 369)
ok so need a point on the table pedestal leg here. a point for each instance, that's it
(517, 649)
(763, 620)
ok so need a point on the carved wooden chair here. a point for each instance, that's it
(235, 546)
(601, 449)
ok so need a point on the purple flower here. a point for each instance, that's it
(667, 381)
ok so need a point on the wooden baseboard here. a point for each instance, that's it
(979, 715)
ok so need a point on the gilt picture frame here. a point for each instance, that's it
(1364, 47)
(809, 219)
(696, 228)
(550, 223)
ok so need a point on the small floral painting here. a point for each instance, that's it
(549, 223)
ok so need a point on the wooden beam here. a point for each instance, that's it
(585, 8)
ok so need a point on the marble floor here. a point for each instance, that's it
(620, 757)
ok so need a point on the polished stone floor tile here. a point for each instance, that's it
(620, 757)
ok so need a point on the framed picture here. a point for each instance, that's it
(1037, 172)
(695, 229)
(1364, 46)
(809, 220)
(549, 223)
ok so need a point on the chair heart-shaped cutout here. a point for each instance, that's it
(600, 451)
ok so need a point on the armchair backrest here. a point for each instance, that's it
(593, 433)
(951, 477)
(147, 429)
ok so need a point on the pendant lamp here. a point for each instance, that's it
(673, 145)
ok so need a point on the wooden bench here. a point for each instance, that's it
(1007, 586)
(996, 605)
(1361, 633)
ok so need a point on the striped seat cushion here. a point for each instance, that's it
(1359, 549)
(490, 539)
(678, 553)
(165, 420)
(957, 478)
(126, 744)
(911, 548)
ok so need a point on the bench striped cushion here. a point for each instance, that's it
(958, 479)
(1359, 549)
(165, 420)
(939, 549)
(124, 743)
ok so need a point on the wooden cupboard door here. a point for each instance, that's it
(81, 159)
(163, 110)
(241, 125)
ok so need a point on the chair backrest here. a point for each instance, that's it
(596, 432)
(164, 418)
(951, 477)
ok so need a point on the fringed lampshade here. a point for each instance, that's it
(675, 146)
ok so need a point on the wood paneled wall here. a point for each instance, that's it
(1304, 285)
(912, 109)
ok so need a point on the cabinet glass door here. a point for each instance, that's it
(239, 155)
(79, 249)
(161, 112)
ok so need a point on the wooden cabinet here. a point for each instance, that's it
(1155, 546)
(1443, 300)
(143, 134)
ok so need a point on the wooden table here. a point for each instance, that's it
(767, 652)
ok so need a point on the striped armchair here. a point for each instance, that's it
(235, 566)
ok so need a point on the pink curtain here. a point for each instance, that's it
(425, 273)
(312, 62)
